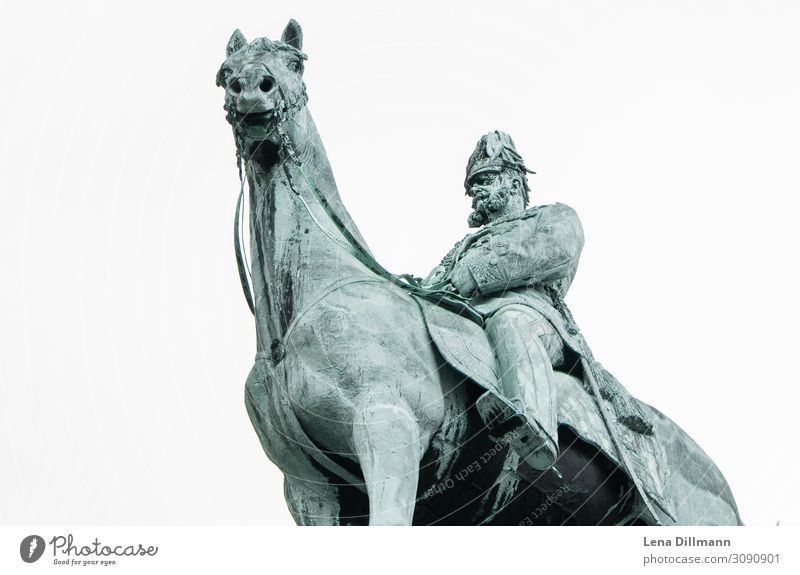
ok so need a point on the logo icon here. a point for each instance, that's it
(31, 548)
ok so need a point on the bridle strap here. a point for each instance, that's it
(237, 244)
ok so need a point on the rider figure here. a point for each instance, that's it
(519, 259)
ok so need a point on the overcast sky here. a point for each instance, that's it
(671, 127)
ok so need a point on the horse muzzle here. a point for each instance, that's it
(254, 125)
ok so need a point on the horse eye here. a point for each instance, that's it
(294, 66)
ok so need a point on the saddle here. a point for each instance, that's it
(465, 346)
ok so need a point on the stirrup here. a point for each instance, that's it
(526, 437)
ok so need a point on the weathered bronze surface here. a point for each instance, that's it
(468, 398)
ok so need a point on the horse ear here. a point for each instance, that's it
(236, 42)
(293, 34)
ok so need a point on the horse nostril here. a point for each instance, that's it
(267, 84)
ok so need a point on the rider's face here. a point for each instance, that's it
(491, 193)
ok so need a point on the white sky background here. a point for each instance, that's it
(671, 127)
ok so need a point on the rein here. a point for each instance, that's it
(237, 246)
(446, 299)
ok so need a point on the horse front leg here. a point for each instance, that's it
(386, 440)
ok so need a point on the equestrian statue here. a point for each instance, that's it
(467, 398)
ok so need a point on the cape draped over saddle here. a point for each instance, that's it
(465, 346)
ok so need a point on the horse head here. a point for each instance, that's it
(263, 82)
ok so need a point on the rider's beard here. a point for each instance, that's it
(476, 219)
(484, 208)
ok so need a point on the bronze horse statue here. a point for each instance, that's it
(363, 387)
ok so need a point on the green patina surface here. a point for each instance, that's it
(468, 398)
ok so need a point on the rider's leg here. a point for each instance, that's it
(526, 346)
(386, 439)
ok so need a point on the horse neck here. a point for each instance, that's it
(294, 260)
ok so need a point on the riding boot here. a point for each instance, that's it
(524, 415)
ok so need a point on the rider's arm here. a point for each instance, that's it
(540, 249)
